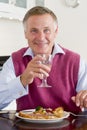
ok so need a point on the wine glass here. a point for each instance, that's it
(48, 62)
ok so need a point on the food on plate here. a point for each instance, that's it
(43, 113)
(58, 111)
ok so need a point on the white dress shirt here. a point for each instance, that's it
(11, 88)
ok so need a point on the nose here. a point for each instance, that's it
(41, 35)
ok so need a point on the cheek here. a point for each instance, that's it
(52, 34)
(30, 37)
(51, 37)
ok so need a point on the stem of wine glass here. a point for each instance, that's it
(44, 81)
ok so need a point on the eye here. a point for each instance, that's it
(34, 31)
(47, 30)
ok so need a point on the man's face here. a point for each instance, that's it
(40, 32)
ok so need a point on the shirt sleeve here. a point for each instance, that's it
(82, 76)
(10, 86)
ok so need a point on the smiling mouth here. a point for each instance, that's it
(42, 45)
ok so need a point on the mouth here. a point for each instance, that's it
(41, 44)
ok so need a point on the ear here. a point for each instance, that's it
(56, 31)
(25, 33)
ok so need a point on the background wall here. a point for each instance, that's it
(72, 25)
(11, 36)
(12, 33)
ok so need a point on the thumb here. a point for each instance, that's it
(73, 98)
(76, 102)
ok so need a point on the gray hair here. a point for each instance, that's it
(39, 10)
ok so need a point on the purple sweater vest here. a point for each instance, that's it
(63, 79)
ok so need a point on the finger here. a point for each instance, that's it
(85, 102)
(77, 98)
(80, 98)
(83, 98)
(38, 58)
(39, 75)
(73, 99)
(38, 65)
(42, 70)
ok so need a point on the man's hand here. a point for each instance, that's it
(35, 68)
(80, 99)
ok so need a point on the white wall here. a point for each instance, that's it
(12, 34)
(72, 25)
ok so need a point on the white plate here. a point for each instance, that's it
(66, 114)
(42, 126)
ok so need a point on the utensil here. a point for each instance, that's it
(4, 111)
(80, 115)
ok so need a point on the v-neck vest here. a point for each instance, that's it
(63, 78)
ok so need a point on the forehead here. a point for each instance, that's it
(40, 20)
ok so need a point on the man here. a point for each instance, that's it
(23, 71)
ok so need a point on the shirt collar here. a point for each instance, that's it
(57, 49)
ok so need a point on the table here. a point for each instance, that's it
(8, 121)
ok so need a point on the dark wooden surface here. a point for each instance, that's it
(8, 121)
